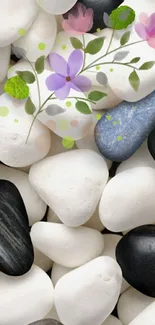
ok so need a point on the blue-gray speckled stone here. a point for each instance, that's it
(122, 130)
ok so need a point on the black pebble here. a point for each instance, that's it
(151, 143)
(135, 253)
(99, 7)
(48, 321)
(16, 250)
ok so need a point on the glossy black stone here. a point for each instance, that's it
(47, 321)
(151, 143)
(16, 250)
(135, 253)
(99, 7)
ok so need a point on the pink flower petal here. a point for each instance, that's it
(143, 17)
(55, 81)
(151, 25)
(75, 62)
(63, 92)
(141, 31)
(151, 42)
(82, 82)
(58, 64)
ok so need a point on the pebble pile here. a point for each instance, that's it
(77, 162)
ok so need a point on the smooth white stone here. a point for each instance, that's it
(112, 320)
(91, 290)
(34, 205)
(23, 65)
(110, 243)
(88, 142)
(128, 200)
(146, 316)
(58, 271)
(5, 53)
(15, 152)
(25, 298)
(57, 146)
(67, 246)
(56, 7)
(42, 261)
(131, 304)
(43, 31)
(53, 314)
(76, 179)
(141, 157)
(15, 15)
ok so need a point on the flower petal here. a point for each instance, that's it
(141, 31)
(151, 42)
(55, 81)
(63, 92)
(143, 17)
(151, 25)
(82, 83)
(75, 62)
(58, 64)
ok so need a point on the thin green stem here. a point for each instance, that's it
(77, 98)
(118, 63)
(31, 127)
(38, 86)
(118, 48)
(112, 35)
(48, 98)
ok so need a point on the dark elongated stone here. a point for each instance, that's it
(135, 254)
(16, 250)
(151, 143)
(99, 7)
(48, 321)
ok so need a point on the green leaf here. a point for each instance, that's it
(119, 56)
(122, 17)
(76, 43)
(29, 107)
(96, 95)
(27, 76)
(95, 45)
(82, 107)
(125, 38)
(39, 65)
(135, 60)
(134, 80)
(147, 65)
(17, 88)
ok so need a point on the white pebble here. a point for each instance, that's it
(88, 294)
(112, 320)
(71, 184)
(128, 200)
(34, 205)
(40, 38)
(70, 247)
(5, 53)
(131, 304)
(56, 7)
(146, 316)
(26, 298)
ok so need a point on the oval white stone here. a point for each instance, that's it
(75, 178)
(70, 247)
(91, 290)
(56, 7)
(25, 298)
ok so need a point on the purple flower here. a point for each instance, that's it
(65, 77)
(146, 28)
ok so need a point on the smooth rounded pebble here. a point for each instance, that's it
(135, 254)
(39, 39)
(14, 129)
(5, 53)
(128, 199)
(75, 178)
(110, 243)
(16, 17)
(131, 303)
(58, 271)
(146, 316)
(96, 284)
(141, 157)
(29, 297)
(70, 247)
(42, 261)
(16, 250)
(56, 7)
(35, 207)
(46, 322)
(112, 320)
